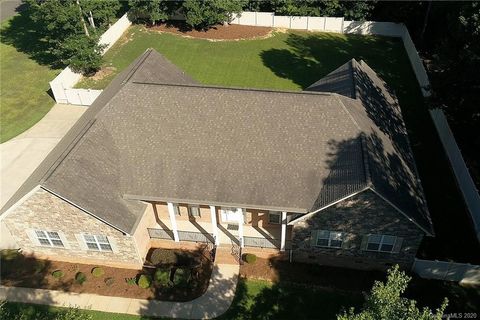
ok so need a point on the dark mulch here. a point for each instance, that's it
(276, 270)
(218, 32)
(428, 293)
(27, 271)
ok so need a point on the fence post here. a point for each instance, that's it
(343, 20)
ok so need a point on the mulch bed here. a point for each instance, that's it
(26, 271)
(218, 32)
(275, 269)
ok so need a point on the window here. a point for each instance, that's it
(176, 210)
(99, 243)
(49, 238)
(274, 217)
(330, 239)
(383, 243)
(194, 211)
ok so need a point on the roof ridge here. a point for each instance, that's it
(137, 65)
(204, 86)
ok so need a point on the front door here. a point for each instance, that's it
(231, 214)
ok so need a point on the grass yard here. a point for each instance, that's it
(288, 61)
(24, 73)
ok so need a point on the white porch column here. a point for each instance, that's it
(173, 221)
(213, 214)
(284, 231)
(240, 228)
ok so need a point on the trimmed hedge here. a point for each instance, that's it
(58, 274)
(181, 277)
(162, 276)
(80, 277)
(144, 281)
(163, 256)
(97, 272)
(250, 258)
(109, 281)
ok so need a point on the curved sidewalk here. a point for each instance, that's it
(213, 303)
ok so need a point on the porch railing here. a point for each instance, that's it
(264, 242)
(191, 236)
(160, 234)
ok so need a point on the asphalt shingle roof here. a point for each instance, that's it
(154, 134)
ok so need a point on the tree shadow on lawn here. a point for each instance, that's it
(312, 56)
(22, 33)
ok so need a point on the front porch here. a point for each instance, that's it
(227, 233)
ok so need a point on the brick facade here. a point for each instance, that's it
(363, 214)
(45, 211)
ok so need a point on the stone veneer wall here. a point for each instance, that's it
(363, 214)
(45, 211)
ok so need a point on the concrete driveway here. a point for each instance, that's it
(9, 8)
(21, 155)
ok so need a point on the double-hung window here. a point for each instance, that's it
(331, 239)
(97, 242)
(193, 211)
(382, 243)
(49, 238)
(274, 217)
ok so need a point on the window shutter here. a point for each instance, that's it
(81, 242)
(398, 245)
(113, 244)
(66, 245)
(33, 237)
(363, 246)
(313, 238)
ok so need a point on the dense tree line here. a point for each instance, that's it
(447, 34)
(71, 29)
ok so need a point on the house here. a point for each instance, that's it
(324, 176)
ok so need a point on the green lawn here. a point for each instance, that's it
(290, 61)
(254, 299)
(25, 73)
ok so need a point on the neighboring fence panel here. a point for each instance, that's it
(464, 180)
(339, 25)
(114, 32)
(62, 85)
(261, 242)
(451, 271)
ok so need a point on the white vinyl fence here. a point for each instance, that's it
(464, 180)
(451, 271)
(62, 85)
(339, 25)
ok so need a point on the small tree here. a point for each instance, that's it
(201, 14)
(82, 53)
(385, 302)
(150, 11)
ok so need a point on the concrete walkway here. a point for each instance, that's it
(213, 303)
(21, 155)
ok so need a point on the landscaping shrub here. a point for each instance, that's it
(144, 281)
(163, 256)
(181, 277)
(58, 274)
(250, 258)
(40, 265)
(162, 276)
(97, 272)
(80, 277)
(109, 281)
(131, 281)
